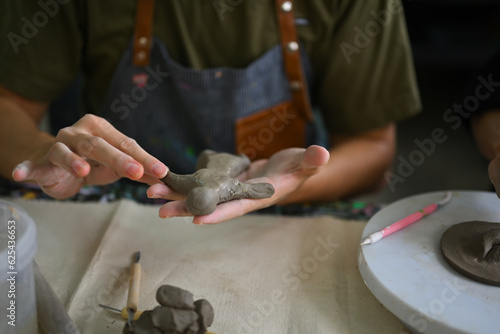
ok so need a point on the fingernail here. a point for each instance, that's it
(133, 169)
(77, 166)
(20, 167)
(159, 169)
(154, 196)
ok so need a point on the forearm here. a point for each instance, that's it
(357, 165)
(486, 131)
(20, 138)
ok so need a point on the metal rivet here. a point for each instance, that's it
(292, 46)
(141, 55)
(286, 6)
(295, 85)
(143, 41)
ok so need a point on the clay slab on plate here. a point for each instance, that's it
(473, 249)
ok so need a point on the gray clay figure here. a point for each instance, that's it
(214, 182)
(178, 313)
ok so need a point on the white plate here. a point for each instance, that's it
(407, 273)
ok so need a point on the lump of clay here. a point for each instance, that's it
(171, 296)
(214, 182)
(178, 314)
(473, 249)
(205, 312)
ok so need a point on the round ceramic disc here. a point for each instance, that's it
(408, 274)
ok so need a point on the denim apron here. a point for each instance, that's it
(174, 112)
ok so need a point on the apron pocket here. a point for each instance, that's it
(264, 133)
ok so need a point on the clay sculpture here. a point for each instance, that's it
(178, 314)
(473, 249)
(214, 182)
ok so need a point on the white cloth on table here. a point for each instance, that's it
(262, 273)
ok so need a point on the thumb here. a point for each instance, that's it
(23, 171)
(494, 174)
(314, 156)
(29, 171)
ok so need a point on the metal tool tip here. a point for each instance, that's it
(137, 256)
(131, 313)
(109, 308)
(446, 199)
(367, 241)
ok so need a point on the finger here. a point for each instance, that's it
(29, 171)
(22, 171)
(174, 209)
(315, 156)
(98, 149)
(149, 180)
(103, 129)
(152, 166)
(61, 156)
(494, 174)
(100, 174)
(160, 190)
(51, 179)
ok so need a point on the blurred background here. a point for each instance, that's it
(451, 40)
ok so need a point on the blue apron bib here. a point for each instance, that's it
(174, 112)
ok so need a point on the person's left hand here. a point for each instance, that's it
(286, 171)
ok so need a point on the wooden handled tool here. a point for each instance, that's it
(133, 289)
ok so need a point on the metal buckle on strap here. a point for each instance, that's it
(142, 33)
(291, 58)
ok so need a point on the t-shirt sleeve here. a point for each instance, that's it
(367, 78)
(41, 47)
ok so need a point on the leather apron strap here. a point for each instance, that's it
(284, 125)
(291, 58)
(142, 34)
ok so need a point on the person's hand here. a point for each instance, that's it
(91, 152)
(494, 171)
(285, 170)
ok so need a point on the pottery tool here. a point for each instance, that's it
(123, 312)
(133, 289)
(414, 217)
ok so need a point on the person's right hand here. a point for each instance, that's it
(494, 171)
(90, 152)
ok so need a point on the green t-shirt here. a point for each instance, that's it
(359, 50)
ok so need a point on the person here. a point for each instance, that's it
(484, 120)
(165, 80)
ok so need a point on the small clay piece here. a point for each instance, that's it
(214, 182)
(175, 297)
(143, 325)
(206, 312)
(178, 314)
(473, 249)
(172, 320)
